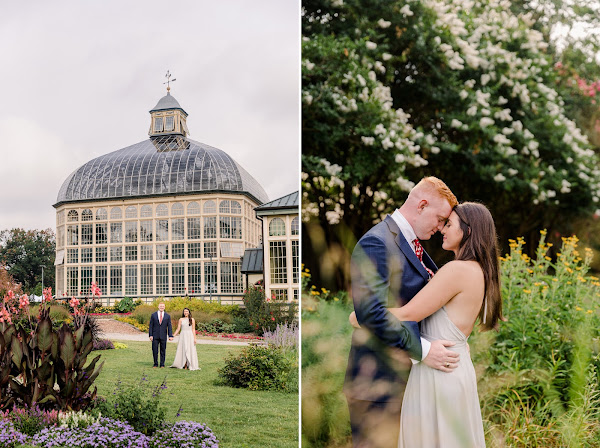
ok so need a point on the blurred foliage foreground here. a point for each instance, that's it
(537, 375)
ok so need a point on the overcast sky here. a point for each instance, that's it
(79, 77)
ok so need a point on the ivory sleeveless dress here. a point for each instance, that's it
(442, 409)
(186, 349)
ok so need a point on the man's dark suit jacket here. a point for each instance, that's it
(160, 331)
(385, 273)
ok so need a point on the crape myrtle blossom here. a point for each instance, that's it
(496, 114)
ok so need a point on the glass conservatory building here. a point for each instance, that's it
(165, 217)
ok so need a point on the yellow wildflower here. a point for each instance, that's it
(554, 279)
(548, 258)
(589, 311)
(543, 232)
(527, 291)
(578, 308)
(315, 293)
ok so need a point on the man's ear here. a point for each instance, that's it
(422, 204)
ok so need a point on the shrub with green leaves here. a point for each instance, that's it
(258, 368)
(264, 314)
(126, 305)
(139, 405)
(215, 326)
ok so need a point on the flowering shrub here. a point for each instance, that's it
(103, 344)
(29, 420)
(9, 436)
(43, 364)
(258, 368)
(77, 419)
(465, 91)
(106, 433)
(134, 322)
(264, 313)
(184, 434)
(546, 352)
(136, 404)
(284, 337)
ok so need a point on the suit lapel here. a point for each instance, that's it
(406, 249)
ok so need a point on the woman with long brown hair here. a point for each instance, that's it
(186, 356)
(441, 409)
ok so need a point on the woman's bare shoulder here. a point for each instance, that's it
(462, 267)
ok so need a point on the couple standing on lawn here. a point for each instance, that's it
(161, 329)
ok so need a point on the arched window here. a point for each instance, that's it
(177, 209)
(225, 207)
(295, 226)
(146, 211)
(277, 227)
(210, 207)
(116, 213)
(72, 216)
(101, 214)
(131, 212)
(236, 208)
(87, 215)
(162, 210)
(193, 208)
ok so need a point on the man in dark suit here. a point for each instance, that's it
(160, 329)
(389, 267)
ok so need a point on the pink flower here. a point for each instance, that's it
(47, 293)
(23, 302)
(74, 302)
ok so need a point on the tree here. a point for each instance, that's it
(467, 91)
(24, 252)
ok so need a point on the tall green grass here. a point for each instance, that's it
(537, 375)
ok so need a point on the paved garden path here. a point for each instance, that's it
(121, 331)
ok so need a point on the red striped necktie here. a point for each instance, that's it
(419, 253)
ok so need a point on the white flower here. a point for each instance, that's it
(435, 150)
(383, 23)
(507, 131)
(517, 126)
(485, 78)
(380, 129)
(499, 177)
(386, 56)
(368, 141)
(455, 123)
(379, 67)
(405, 184)
(371, 45)
(337, 3)
(502, 100)
(333, 217)
(307, 97)
(512, 172)
(501, 139)
(309, 65)
(470, 83)
(472, 111)
(463, 94)
(485, 122)
(387, 143)
(503, 115)
(406, 11)
(565, 186)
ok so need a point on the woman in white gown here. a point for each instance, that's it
(442, 409)
(186, 356)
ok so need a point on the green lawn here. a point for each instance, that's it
(240, 418)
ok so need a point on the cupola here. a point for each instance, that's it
(168, 117)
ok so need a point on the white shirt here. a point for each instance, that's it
(410, 235)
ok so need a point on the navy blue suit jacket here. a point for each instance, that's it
(160, 331)
(385, 273)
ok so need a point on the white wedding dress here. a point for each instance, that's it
(186, 349)
(441, 410)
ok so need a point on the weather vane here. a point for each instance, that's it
(169, 80)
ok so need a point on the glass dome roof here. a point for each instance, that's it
(159, 166)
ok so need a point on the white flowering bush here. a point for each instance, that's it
(460, 89)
